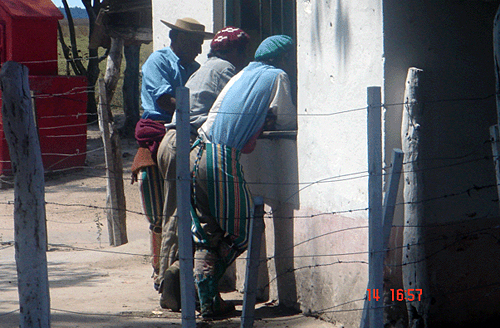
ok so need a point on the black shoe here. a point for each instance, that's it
(171, 289)
(219, 308)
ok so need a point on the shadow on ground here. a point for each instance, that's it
(265, 317)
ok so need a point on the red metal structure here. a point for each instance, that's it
(28, 35)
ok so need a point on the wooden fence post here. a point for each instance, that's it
(130, 90)
(376, 255)
(115, 198)
(113, 65)
(253, 261)
(29, 189)
(183, 208)
(494, 129)
(391, 194)
(415, 270)
(496, 51)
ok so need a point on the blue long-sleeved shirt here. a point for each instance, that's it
(162, 73)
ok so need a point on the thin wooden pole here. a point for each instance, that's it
(253, 261)
(30, 233)
(113, 66)
(116, 203)
(496, 51)
(415, 268)
(183, 208)
(376, 255)
(494, 129)
(387, 218)
(391, 194)
(130, 89)
(115, 198)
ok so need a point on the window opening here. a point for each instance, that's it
(263, 18)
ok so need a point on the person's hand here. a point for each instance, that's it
(270, 122)
(167, 103)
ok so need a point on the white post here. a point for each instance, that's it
(375, 313)
(391, 194)
(30, 233)
(253, 259)
(183, 208)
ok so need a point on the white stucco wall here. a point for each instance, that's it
(340, 54)
(320, 259)
(170, 11)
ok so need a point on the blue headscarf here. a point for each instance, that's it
(273, 47)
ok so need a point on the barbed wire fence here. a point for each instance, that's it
(474, 156)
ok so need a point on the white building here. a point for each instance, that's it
(316, 183)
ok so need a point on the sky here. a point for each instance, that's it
(71, 3)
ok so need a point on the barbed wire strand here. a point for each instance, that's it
(270, 214)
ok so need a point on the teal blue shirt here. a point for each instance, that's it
(240, 110)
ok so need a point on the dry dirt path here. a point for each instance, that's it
(92, 284)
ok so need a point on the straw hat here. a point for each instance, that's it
(189, 25)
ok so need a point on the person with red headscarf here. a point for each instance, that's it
(222, 204)
(226, 58)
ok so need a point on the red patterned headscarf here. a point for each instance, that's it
(228, 38)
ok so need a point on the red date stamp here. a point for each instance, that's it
(397, 294)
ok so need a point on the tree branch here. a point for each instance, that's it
(65, 49)
(74, 49)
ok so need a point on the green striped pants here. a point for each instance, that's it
(221, 213)
(151, 190)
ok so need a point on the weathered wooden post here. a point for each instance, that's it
(183, 208)
(115, 197)
(376, 255)
(113, 66)
(496, 49)
(29, 187)
(115, 200)
(253, 258)
(130, 89)
(391, 195)
(495, 137)
(415, 268)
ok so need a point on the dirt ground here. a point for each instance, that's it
(93, 284)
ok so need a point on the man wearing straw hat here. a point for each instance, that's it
(227, 57)
(171, 67)
(164, 71)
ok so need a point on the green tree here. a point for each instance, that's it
(75, 59)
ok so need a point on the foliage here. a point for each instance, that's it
(76, 12)
(82, 37)
(88, 62)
